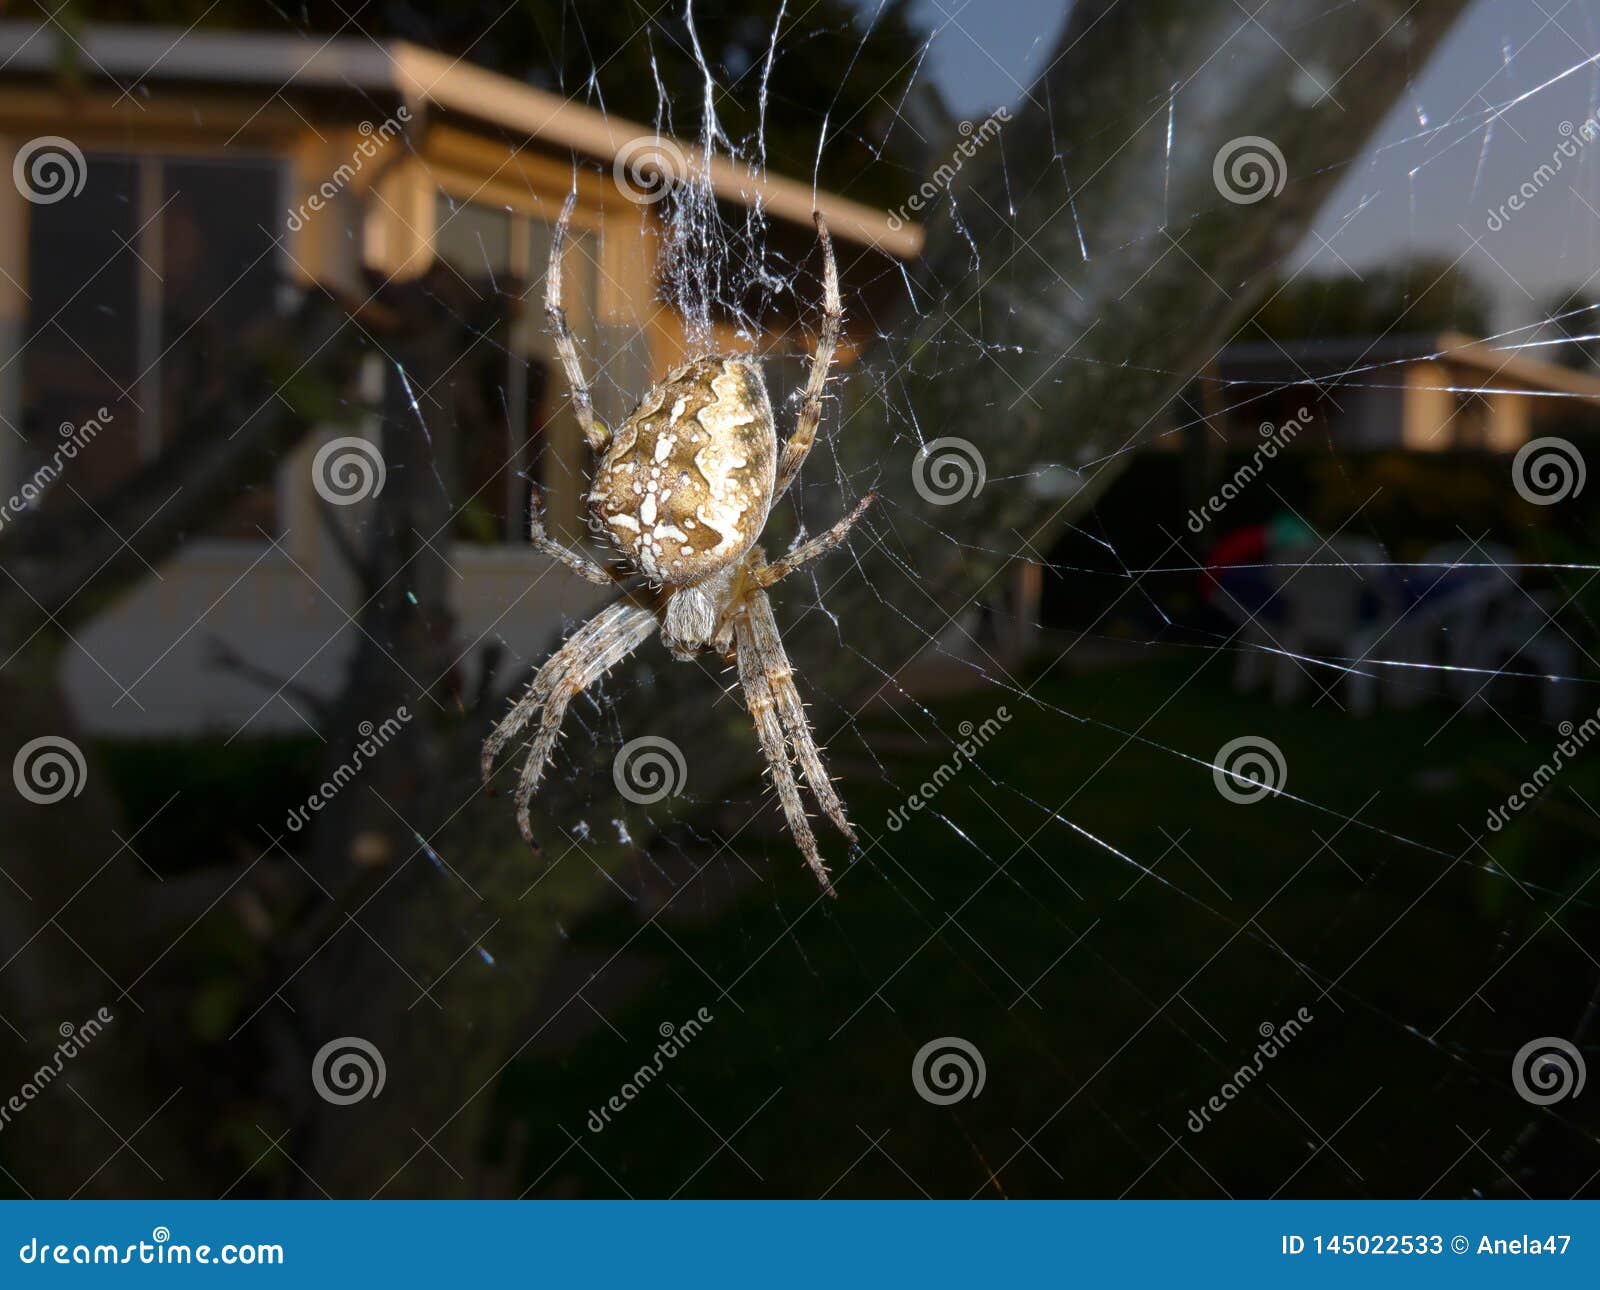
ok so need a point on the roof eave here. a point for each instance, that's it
(421, 76)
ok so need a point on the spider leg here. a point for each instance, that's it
(779, 673)
(805, 428)
(566, 347)
(629, 633)
(769, 730)
(579, 563)
(607, 638)
(554, 669)
(820, 545)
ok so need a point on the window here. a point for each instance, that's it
(139, 288)
(517, 430)
(81, 349)
(219, 278)
(1470, 421)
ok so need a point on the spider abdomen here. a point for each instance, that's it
(685, 483)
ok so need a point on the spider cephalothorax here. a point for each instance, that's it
(682, 491)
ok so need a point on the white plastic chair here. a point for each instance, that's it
(1336, 598)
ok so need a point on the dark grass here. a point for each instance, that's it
(192, 803)
(1109, 1004)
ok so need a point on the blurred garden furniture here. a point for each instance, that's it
(1458, 623)
(1335, 597)
(1468, 619)
(1297, 598)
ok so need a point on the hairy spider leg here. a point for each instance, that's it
(805, 428)
(588, 654)
(767, 574)
(779, 672)
(579, 563)
(769, 730)
(566, 347)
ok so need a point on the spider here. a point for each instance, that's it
(682, 491)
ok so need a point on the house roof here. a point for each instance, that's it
(420, 77)
(1498, 361)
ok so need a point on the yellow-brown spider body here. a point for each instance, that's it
(682, 490)
(685, 483)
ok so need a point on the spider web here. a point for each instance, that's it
(1080, 870)
(933, 961)
(1080, 903)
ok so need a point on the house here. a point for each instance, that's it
(167, 191)
(1414, 393)
(1249, 439)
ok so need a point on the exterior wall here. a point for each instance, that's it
(319, 240)
(398, 228)
(1510, 422)
(1438, 419)
(1426, 408)
(160, 642)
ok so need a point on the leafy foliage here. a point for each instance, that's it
(1583, 354)
(1424, 295)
